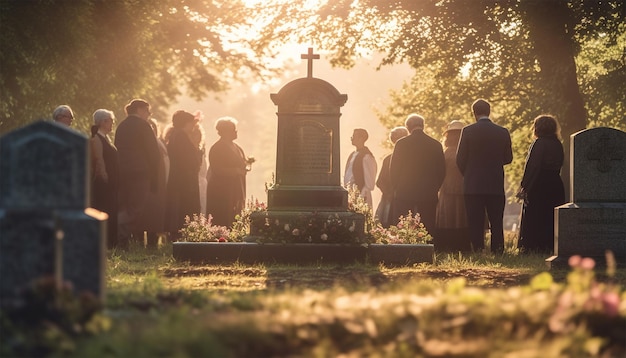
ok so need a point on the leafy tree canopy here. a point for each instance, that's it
(93, 54)
(527, 57)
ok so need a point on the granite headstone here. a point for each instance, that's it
(46, 228)
(308, 171)
(595, 221)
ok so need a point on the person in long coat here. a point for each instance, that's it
(451, 218)
(226, 176)
(417, 170)
(139, 160)
(484, 150)
(156, 206)
(183, 193)
(104, 171)
(542, 188)
(383, 211)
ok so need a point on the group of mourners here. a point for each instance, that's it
(458, 188)
(148, 183)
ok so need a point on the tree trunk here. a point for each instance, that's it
(551, 27)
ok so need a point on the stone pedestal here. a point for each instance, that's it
(595, 221)
(589, 230)
(303, 198)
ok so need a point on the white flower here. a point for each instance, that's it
(287, 228)
(295, 232)
(324, 237)
(352, 227)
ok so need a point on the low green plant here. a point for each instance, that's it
(409, 230)
(199, 228)
(416, 317)
(241, 227)
(48, 320)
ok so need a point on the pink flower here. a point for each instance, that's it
(610, 303)
(295, 232)
(574, 261)
(222, 239)
(587, 263)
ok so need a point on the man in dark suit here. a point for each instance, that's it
(484, 149)
(416, 171)
(139, 159)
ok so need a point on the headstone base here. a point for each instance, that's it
(30, 249)
(307, 198)
(589, 230)
(307, 227)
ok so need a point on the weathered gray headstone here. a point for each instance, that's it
(595, 220)
(43, 198)
(308, 168)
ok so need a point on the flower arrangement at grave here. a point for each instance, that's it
(409, 230)
(315, 228)
(200, 228)
(241, 226)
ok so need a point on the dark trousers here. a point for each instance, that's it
(475, 207)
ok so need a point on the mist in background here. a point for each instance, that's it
(251, 105)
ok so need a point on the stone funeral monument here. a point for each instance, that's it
(308, 169)
(595, 219)
(46, 228)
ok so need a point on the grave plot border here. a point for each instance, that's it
(251, 253)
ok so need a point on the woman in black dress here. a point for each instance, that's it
(541, 188)
(104, 171)
(183, 193)
(226, 177)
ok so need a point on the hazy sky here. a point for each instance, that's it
(252, 107)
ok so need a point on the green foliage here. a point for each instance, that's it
(200, 228)
(527, 57)
(241, 226)
(409, 230)
(93, 54)
(48, 320)
(580, 317)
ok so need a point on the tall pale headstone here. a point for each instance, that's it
(595, 220)
(46, 228)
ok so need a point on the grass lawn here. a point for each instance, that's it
(460, 306)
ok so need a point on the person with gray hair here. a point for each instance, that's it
(63, 114)
(414, 121)
(383, 211)
(104, 171)
(417, 170)
(226, 176)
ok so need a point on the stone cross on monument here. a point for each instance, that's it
(309, 56)
(604, 152)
